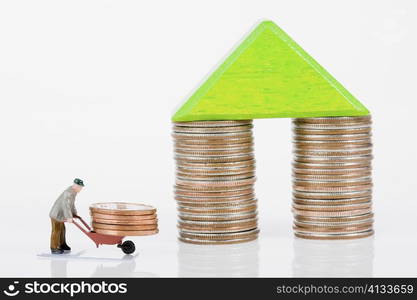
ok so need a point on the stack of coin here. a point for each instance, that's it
(332, 187)
(215, 179)
(124, 219)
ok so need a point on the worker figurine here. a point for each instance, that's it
(62, 211)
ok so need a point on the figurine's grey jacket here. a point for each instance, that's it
(64, 207)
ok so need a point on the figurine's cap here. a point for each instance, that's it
(79, 181)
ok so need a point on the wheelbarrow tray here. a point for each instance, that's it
(104, 239)
(128, 247)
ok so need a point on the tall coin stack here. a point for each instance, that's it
(332, 188)
(215, 179)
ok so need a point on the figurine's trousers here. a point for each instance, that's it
(57, 234)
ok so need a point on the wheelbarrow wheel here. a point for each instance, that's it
(128, 247)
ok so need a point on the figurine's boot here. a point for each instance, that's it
(57, 251)
(65, 247)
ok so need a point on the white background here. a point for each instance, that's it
(87, 89)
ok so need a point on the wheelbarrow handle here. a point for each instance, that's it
(83, 222)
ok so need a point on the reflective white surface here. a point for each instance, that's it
(344, 258)
(239, 260)
(164, 256)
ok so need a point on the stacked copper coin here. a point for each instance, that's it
(332, 188)
(124, 219)
(214, 182)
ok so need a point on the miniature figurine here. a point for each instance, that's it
(63, 211)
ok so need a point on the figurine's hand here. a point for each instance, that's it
(70, 220)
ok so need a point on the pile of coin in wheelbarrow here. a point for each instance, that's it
(215, 182)
(124, 219)
(332, 197)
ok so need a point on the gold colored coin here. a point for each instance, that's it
(124, 227)
(127, 232)
(123, 217)
(123, 222)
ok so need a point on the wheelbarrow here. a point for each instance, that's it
(128, 247)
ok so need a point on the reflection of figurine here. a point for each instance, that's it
(62, 211)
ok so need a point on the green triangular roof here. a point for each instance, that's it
(269, 76)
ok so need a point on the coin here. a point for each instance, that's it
(217, 211)
(236, 141)
(220, 236)
(216, 178)
(341, 171)
(342, 213)
(126, 232)
(216, 165)
(222, 204)
(216, 184)
(214, 242)
(193, 201)
(211, 147)
(345, 201)
(332, 159)
(215, 223)
(334, 165)
(336, 224)
(124, 227)
(330, 236)
(213, 153)
(337, 189)
(336, 182)
(212, 129)
(217, 217)
(322, 219)
(334, 152)
(326, 131)
(332, 230)
(214, 172)
(123, 222)
(333, 207)
(334, 120)
(123, 217)
(332, 195)
(122, 208)
(215, 195)
(221, 159)
(351, 138)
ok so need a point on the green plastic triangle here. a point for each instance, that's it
(269, 76)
